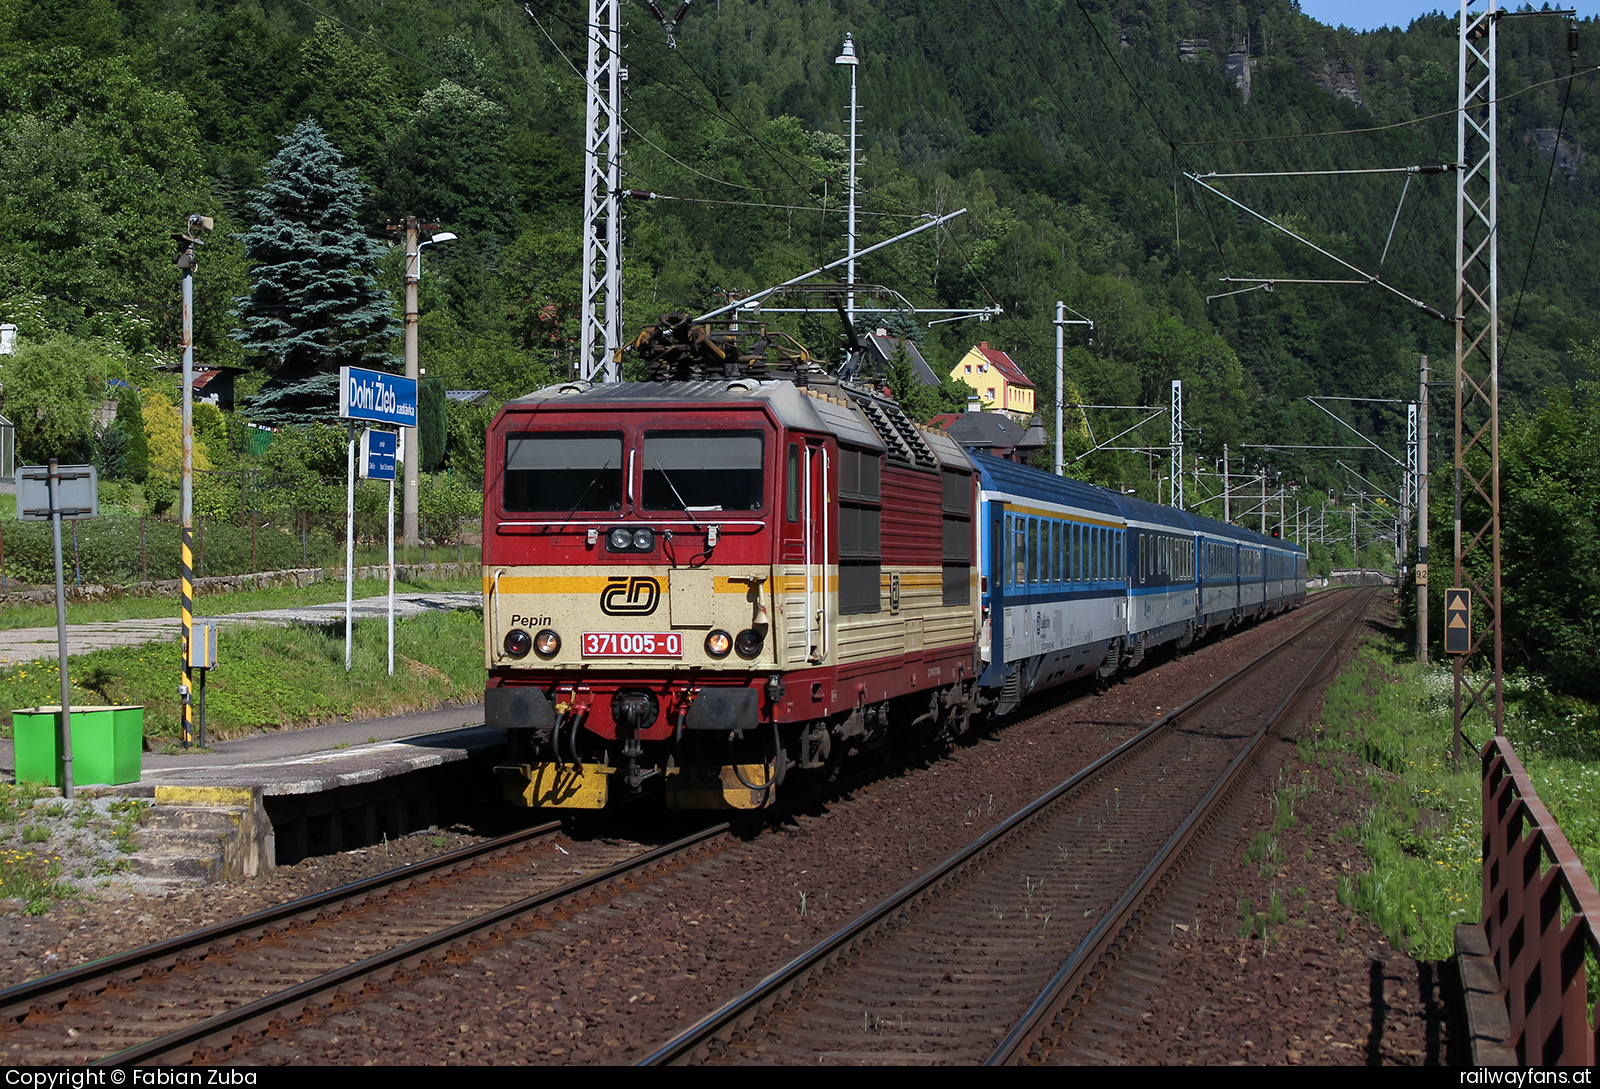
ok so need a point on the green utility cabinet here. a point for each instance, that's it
(107, 745)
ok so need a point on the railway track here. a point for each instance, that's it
(116, 1006)
(231, 990)
(965, 964)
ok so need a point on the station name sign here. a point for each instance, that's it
(377, 396)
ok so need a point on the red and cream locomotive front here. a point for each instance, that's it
(628, 558)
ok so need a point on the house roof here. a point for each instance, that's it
(984, 430)
(1003, 363)
(883, 346)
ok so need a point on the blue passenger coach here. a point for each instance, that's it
(1217, 550)
(1055, 579)
(1161, 564)
(1079, 581)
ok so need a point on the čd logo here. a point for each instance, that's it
(625, 595)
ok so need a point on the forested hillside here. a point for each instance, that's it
(1065, 129)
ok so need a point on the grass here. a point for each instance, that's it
(272, 676)
(125, 813)
(152, 608)
(34, 877)
(1422, 831)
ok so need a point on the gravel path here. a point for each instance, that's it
(19, 645)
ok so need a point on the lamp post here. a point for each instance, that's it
(848, 57)
(413, 278)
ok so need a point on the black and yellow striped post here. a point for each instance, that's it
(186, 262)
(186, 685)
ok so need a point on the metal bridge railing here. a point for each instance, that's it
(1540, 912)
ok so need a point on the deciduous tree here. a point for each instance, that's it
(50, 390)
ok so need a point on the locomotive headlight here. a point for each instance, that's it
(547, 643)
(644, 540)
(749, 643)
(619, 540)
(518, 643)
(718, 643)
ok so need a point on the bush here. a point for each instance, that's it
(109, 551)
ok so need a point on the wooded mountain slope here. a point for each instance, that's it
(1065, 129)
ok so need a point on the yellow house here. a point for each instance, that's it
(1000, 383)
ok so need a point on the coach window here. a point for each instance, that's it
(563, 471)
(1020, 574)
(1007, 561)
(702, 470)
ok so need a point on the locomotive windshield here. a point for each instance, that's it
(702, 470)
(557, 471)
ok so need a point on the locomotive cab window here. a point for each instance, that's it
(702, 470)
(563, 471)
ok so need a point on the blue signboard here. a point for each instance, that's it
(377, 396)
(377, 455)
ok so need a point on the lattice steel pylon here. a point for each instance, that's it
(601, 336)
(1176, 443)
(1477, 384)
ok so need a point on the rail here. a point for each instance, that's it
(54, 990)
(1539, 913)
(837, 949)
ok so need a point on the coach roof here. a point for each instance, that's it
(1019, 481)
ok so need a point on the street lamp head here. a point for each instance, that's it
(442, 236)
(848, 56)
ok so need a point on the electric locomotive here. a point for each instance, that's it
(700, 584)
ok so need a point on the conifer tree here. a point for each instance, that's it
(315, 304)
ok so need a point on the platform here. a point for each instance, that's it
(338, 786)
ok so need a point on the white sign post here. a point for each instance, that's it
(51, 493)
(377, 463)
(381, 398)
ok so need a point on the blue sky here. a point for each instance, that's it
(1371, 14)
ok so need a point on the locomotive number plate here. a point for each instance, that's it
(615, 644)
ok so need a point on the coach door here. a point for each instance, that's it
(818, 472)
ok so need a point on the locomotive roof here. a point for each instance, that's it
(1010, 478)
(844, 414)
